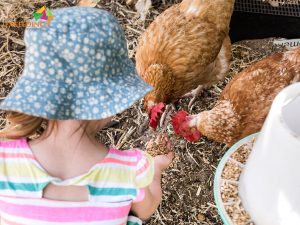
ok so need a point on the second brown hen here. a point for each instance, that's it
(184, 47)
(244, 103)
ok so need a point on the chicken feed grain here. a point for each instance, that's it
(229, 185)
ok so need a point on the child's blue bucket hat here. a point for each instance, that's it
(77, 67)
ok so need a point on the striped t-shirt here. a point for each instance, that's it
(114, 184)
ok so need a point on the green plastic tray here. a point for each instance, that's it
(217, 179)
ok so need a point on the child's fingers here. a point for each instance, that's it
(164, 161)
(149, 144)
(169, 145)
(166, 141)
(160, 145)
(159, 138)
(170, 156)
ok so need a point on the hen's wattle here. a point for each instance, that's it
(180, 122)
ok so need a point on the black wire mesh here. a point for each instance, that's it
(272, 7)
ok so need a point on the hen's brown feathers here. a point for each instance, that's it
(249, 96)
(187, 39)
(160, 76)
(217, 12)
(220, 123)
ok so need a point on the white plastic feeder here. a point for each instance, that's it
(269, 185)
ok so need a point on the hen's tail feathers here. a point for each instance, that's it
(194, 8)
(293, 56)
(219, 11)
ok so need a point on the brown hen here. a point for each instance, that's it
(184, 47)
(245, 101)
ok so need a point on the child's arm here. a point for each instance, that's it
(153, 193)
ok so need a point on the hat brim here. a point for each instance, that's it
(92, 101)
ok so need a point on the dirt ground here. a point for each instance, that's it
(188, 185)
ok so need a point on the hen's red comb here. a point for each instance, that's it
(181, 127)
(155, 113)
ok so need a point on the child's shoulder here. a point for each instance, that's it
(141, 162)
(17, 143)
(133, 153)
(132, 157)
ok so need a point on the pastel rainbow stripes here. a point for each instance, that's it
(113, 183)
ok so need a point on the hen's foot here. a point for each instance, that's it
(194, 94)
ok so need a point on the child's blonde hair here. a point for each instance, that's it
(20, 125)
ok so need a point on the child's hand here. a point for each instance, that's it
(162, 162)
(160, 146)
(161, 150)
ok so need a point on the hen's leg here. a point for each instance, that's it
(216, 71)
(194, 94)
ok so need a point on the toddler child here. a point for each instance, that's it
(77, 75)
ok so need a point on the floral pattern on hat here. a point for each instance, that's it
(76, 68)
